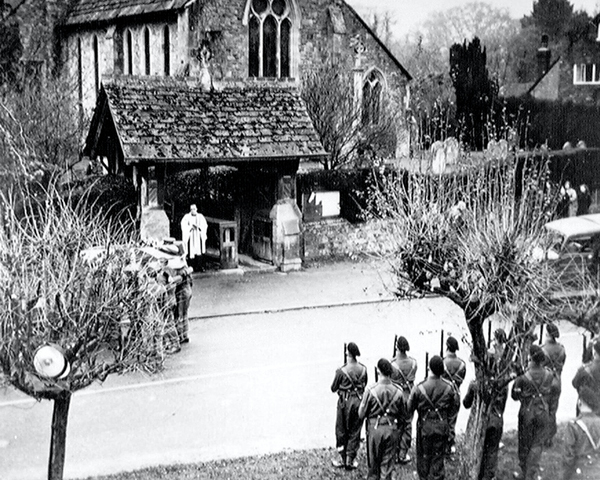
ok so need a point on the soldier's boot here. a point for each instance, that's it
(341, 462)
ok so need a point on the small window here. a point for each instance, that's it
(167, 50)
(147, 50)
(128, 50)
(79, 71)
(586, 73)
(96, 63)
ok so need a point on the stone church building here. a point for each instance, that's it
(187, 84)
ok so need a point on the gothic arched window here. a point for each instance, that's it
(269, 38)
(371, 98)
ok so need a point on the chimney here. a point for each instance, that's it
(543, 57)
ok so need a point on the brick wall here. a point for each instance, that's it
(340, 238)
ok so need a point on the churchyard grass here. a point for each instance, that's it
(316, 465)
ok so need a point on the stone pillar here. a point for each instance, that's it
(154, 223)
(286, 221)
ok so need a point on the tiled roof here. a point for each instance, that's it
(87, 11)
(163, 118)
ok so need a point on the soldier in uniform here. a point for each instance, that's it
(349, 383)
(555, 360)
(455, 371)
(435, 400)
(581, 459)
(587, 380)
(405, 370)
(384, 409)
(534, 389)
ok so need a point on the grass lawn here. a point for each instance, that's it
(316, 465)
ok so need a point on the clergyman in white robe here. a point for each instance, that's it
(193, 233)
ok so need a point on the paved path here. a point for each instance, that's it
(247, 383)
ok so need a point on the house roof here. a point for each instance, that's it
(163, 119)
(89, 11)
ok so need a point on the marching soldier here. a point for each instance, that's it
(384, 408)
(587, 380)
(349, 383)
(435, 400)
(555, 360)
(405, 370)
(534, 389)
(455, 371)
(581, 457)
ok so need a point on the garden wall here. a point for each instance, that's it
(330, 239)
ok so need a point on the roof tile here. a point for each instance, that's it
(202, 125)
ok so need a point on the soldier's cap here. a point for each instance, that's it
(552, 330)
(385, 367)
(500, 335)
(353, 349)
(402, 344)
(436, 365)
(537, 354)
(452, 344)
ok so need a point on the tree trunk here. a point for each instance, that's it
(58, 440)
(474, 440)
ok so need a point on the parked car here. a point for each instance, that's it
(574, 246)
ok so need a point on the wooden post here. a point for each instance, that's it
(58, 439)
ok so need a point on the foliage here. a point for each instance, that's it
(425, 51)
(475, 91)
(40, 131)
(11, 48)
(329, 96)
(50, 293)
(551, 17)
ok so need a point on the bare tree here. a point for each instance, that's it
(472, 236)
(347, 134)
(40, 130)
(98, 311)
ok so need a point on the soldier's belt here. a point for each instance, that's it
(383, 422)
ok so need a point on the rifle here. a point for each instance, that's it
(345, 355)
(442, 344)
(489, 343)
(541, 332)
(426, 365)
(376, 374)
(395, 347)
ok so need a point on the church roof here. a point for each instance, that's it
(164, 119)
(89, 11)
